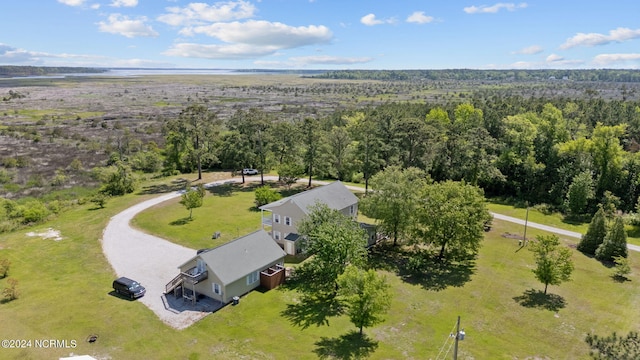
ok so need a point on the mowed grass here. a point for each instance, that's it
(65, 294)
(555, 220)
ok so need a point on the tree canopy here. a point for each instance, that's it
(553, 261)
(451, 215)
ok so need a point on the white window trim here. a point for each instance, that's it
(276, 235)
(288, 221)
(253, 278)
(217, 286)
(276, 218)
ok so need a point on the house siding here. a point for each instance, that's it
(236, 288)
(286, 210)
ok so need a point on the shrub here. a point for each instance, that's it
(11, 293)
(265, 195)
(4, 268)
(99, 199)
(34, 211)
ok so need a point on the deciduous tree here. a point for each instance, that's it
(366, 296)
(393, 199)
(553, 261)
(193, 198)
(451, 215)
(333, 241)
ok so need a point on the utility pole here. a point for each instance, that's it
(526, 220)
(455, 346)
(459, 336)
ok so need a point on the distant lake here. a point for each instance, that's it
(140, 72)
(125, 72)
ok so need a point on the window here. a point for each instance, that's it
(276, 218)
(276, 235)
(287, 221)
(217, 289)
(352, 209)
(252, 278)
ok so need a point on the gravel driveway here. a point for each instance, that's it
(150, 260)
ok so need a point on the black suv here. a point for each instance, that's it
(129, 288)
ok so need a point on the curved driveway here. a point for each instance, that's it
(154, 261)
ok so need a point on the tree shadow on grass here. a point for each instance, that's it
(420, 267)
(538, 299)
(352, 345)
(174, 185)
(182, 221)
(438, 275)
(312, 310)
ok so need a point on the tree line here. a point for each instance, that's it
(569, 154)
(598, 75)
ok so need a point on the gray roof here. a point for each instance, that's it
(242, 256)
(335, 196)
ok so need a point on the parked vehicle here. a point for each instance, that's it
(129, 288)
(249, 171)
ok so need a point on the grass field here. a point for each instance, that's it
(65, 288)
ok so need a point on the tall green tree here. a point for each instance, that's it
(193, 133)
(553, 261)
(615, 243)
(608, 156)
(311, 135)
(580, 192)
(236, 152)
(394, 199)
(451, 215)
(339, 142)
(363, 131)
(285, 142)
(253, 125)
(333, 241)
(366, 296)
(595, 234)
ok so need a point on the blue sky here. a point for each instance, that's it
(322, 34)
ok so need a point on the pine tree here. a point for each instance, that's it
(595, 234)
(614, 244)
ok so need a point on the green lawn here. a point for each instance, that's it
(65, 288)
(554, 219)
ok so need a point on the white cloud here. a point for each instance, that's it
(122, 25)
(124, 3)
(554, 58)
(265, 33)
(197, 13)
(212, 51)
(95, 6)
(593, 39)
(419, 17)
(484, 9)
(530, 50)
(371, 20)
(609, 59)
(72, 2)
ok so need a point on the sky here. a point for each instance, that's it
(322, 34)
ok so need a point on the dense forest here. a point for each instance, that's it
(570, 155)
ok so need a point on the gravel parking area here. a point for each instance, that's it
(150, 260)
